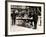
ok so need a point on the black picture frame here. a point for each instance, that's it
(6, 18)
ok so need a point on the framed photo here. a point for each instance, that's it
(24, 18)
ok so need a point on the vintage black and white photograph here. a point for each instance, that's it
(25, 18)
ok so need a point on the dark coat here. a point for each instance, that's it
(13, 15)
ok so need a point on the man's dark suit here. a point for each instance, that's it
(13, 15)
